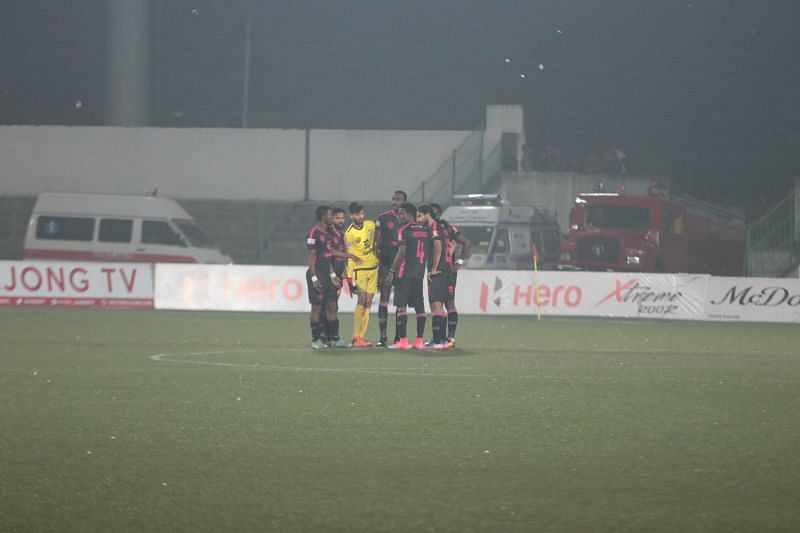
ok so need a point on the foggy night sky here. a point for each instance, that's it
(706, 93)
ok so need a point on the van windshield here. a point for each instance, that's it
(479, 237)
(616, 217)
(196, 237)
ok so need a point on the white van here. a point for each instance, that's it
(104, 227)
(502, 236)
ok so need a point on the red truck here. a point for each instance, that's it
(659, 232)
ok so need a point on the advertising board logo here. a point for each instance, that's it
(647, 300)
(598, 250)
(765, 297)
(486, 296)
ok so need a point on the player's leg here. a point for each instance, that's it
(332, 311)
(401, 293)
(366, 296)
(452, 312)
(437, 296)
(418, 301)
(316, 301)
(383, 304)
(358, 311)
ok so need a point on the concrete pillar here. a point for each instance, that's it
(797, 210)
(128, 63)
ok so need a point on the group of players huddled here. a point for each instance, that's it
(397, 250)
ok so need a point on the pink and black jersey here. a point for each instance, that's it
(337, 243)
(320, 242)
(416, 239)
(439, 233)
(388, 224)
(452, 239)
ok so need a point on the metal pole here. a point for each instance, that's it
(453, 178)
(13, 229)
(307, 171)
(262, 232)
(246, 81)
(481, 164)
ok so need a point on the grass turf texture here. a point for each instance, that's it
(552, 425)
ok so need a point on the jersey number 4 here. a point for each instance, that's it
(421, 252)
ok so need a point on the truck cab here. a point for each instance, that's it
(659, 232)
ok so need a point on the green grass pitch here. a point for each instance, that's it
(177, 421)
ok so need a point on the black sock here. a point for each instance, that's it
(439, 325)
(421, 319)
(323, 327)
(315, 331)
(333, 329)
(383, 318)
(402, 322)
(452, 323)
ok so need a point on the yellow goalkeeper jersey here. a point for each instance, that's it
(361, 243)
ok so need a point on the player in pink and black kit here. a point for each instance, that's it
(338, 253)
(386, 227)
(408, 273)
(322, 281)
(337, 242)
(455, 238)
(439, 268)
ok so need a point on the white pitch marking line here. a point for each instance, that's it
(431, 372)
(413, 371)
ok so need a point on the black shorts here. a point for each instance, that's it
(327, 291)
(439, 288)
(452, 279)
(408, 292)
(383, 271)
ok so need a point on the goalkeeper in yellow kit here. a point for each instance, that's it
(359, 238)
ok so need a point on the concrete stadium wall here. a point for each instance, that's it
(229, 164)
(233, 164)
(200, 163)
(369, 165)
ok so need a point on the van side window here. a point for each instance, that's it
(65, 228)
(500, 242)
(551, 241)
(115, 230)
(158, 232)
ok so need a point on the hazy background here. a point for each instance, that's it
(705, 93)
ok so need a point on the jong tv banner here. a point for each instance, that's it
(75, 284)
(608, 294)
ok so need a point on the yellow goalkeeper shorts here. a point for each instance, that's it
(366, 279)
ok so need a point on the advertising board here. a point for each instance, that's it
(75, 284)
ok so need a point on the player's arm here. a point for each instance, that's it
(350, 265)
(378, 238)
(347, 255)
(373, 250)
(398, 258)
(334, 278)
(312, 264)
(465, 249)
(437, 256)
(348, 244)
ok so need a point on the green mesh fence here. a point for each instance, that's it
(466, 169)
(772, 244)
